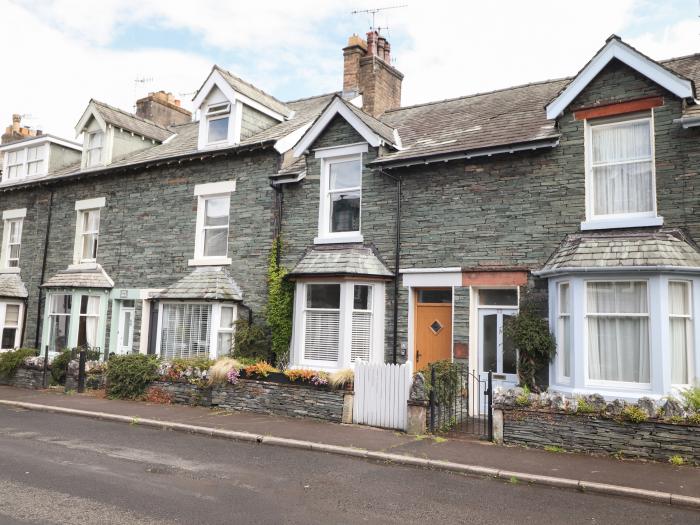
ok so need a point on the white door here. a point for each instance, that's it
(497, 352)
(125, 335)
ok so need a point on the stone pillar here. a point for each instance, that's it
(347, 408)
(416, 416)
(498, 426)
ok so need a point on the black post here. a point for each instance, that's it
(489, 395)
(46, 367)
(81, 371)
(432, 398)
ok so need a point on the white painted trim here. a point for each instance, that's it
(41, 139)
(288, 141)
(90, 204)
(90, 111)
(278, 181)
(337, 107)
(428, 280)
(431, 270)
(210, 261)
(689, 270)
(14, 269)
(624, 221)
(616, 49)
(340, 151)
(214, 188)
(19, 213)
(339, 238)
(325, 236)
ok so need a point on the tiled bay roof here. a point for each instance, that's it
(80, 278)
(122, 119)
(207, 282)
(254, 93)
(665, 247)
(11, 285)
(340, 260)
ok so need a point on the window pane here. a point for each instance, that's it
(61, 304)
(490, 338)
(618, 349)
(564, 344)
(218, 129)
(681, 336)
(498, 297)
(226, 317)
(345, 174)
(58, 337)
(223, 344)
(435, 296)
(216, 211)
(361, 346)
(91, 221)
(362, 297)
(623, 188)
(345, 211)
(510, 356)
(621, 142)
(8, 337)
(12, 314)
(215, 242)
(90, 246)
(564, 299)
(95, 140)
(617, 297)
(125, 328)
(323, 296)
(185, 330)
(678, 298)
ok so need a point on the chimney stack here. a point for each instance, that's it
(16, 131)
(16, 119)
(367, 70)
(162, 108)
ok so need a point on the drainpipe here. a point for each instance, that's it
(278, 221)
(397, 259)
(43, 270)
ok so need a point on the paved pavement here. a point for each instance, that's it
(683, 480)
(65, 469)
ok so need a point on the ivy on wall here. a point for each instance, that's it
(279, 305)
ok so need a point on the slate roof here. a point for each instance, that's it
(125, 120)
(252, 92)
(667, 247)
(11, 285)
(380, 128)
(332, 259)
(207, 282)
(80, 278)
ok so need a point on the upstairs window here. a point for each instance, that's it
(212, 229)
(89, 234)
(35, 161)
(620, 171)
(95, 149)
(14, 243)
(217, 122)
(15, 165)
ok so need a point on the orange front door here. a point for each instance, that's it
(432, 326)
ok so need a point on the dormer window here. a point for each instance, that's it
(218, 122)
(94, 149)
(25, 162)
(15, 164)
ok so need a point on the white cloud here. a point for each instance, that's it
(60, 54)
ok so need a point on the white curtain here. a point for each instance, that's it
(680, 327)
(622, 168)
(91, 320)
(565, 328)
(618, 343)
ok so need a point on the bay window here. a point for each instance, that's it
(680, 331)
(564, 331)
(89, 317)
(60, 307)
(11, 317)
(195, 329)
(227, 319)
(337, 324)
(620, 179)
(75, 318)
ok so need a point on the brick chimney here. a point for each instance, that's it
(367, 70)
(162, 108)
(17, 132)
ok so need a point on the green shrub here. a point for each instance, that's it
(448, 381)
(694, 419)
(584, 407)
(691, 398)
(11, 360)
(252, 341)
(523, 399)
(128, 376)
(59, 367)
(634, 414)
(676, 460)
(280, 298)
(530, 334)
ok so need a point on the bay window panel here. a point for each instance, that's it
(361, 344)
(185, 330)
(564, 329)
(10, 326)
(323, 296)
(225, 334)
(680, 331)
(59, 321)
(88, 322)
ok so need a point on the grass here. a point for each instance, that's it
(554, 448)
(513, 480)
(438, 439)
(677, 460)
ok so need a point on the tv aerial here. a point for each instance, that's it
(374, 11)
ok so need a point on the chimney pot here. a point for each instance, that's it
(16, 119)
(387, 53)
(372, 43)
(381, 43)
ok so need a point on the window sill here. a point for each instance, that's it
(621, 222)
(339, 239)
(10, 270)
(210, 261)
(84, 265)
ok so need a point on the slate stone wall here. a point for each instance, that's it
(262, 397)
(25, 378)
(593, 434)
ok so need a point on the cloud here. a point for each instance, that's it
(66, 51)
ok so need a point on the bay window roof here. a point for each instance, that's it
(326, 260)
(633, 249)
(208, 283)
(82, 277)
(11, 285)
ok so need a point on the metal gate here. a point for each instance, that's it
(460, 401)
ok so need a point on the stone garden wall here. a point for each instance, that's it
(24, 378)
(291, 400)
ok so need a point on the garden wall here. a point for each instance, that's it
(291, 400)
(25, 378)
(595, 434)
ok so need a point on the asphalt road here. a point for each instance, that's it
(64, 469)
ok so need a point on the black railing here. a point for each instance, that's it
(460, 401)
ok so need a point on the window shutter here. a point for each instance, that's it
(185, 331)
(361, 336)
(321, 335)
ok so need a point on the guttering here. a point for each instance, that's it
(468, 154)
(688, 122)
(43, 272)
(432, 270)
(616, 269)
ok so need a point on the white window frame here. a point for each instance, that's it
(214, 322)
(691, 340)
(563, 378)
(9, 217)
(40, 159)
(83, 207)
(90, 149)
(224, 330)
(345, 324)
(203, 192)
(50, 314)
(328, 157)
(20, 322)
(20, 156)
(218, 111)
(618, 220)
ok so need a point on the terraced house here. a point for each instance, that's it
(412, 233)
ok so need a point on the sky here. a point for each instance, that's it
(58, 54)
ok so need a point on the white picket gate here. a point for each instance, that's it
(381, 394)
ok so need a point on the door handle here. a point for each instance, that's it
(417, 356)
